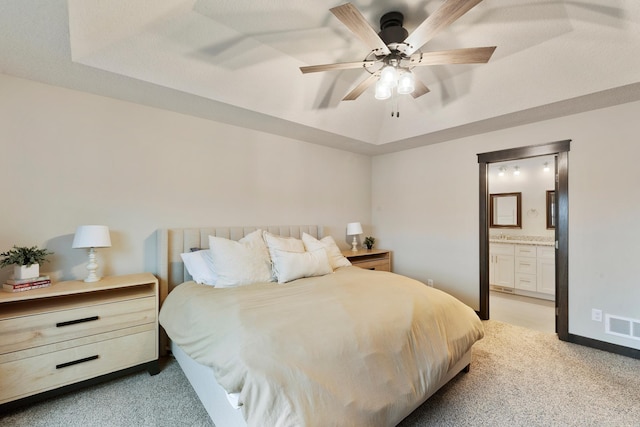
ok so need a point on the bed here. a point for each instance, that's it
(312, 345)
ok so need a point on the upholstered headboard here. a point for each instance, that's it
(174, 241)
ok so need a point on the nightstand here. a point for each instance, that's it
(73, 334)
(371, 259)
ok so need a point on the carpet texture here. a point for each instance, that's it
(518, 377)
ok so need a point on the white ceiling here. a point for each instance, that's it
(237, 61)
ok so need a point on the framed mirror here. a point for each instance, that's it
(505, 210)
(551, 209)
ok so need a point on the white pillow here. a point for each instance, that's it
(336, 259)
(289, 244)
(200, 266)
(295, 265)
(240, 263)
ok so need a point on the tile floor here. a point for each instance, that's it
(532, 313)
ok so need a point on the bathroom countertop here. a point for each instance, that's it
(516, 241)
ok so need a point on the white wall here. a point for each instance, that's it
(425, 208)
(71, 158)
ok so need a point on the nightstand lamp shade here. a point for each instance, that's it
(354, 229)
(91, 237)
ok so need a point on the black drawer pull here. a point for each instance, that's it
(73, 322)
(75, 362)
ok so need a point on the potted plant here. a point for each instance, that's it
(369, 241)
(26, 261)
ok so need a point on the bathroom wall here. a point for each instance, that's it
(533, 182)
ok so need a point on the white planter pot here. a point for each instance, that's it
(24, 272)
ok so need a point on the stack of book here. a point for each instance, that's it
(19, 285)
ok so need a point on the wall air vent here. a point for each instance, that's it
(622, 326)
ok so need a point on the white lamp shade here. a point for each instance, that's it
(382, 91)
(92, 236)
(406, 83)
(389, 76)
(354, 228)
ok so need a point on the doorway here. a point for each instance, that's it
(521, 242)
(560, 213)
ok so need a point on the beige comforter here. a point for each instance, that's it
(352, 348)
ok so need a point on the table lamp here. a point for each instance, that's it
(354, 229)
(92, 237)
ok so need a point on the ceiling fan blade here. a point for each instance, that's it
(472, 55)
(440, 19)
(420, 88)
(337, 66)
(364, 85)
(353, 19)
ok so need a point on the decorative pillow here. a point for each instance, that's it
(200, 266)
(336, 259)
(289, 244)
(240, 263)
(295, 265)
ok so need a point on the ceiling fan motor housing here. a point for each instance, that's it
(391, 29)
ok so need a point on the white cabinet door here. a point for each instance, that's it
(504, 271)
(501, 266)
(547, 276)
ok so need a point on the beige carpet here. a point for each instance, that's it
(518, 377)
(521, 377)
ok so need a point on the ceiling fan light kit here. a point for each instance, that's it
(406, 83)
(382, 91)
(395, 52)
(389, 76)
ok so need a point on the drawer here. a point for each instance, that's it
(380, 265)
(526, 282)
(23, 332)
(526, 251)
(546, 252)
(526, 265)
(501, 249)
(34, 375)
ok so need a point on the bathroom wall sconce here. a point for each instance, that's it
(546, 167)
(501, 171)
(516, 171)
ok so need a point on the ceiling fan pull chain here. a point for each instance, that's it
(395, 111)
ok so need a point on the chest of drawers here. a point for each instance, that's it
(73, 332)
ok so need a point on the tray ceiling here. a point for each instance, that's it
(238, 62)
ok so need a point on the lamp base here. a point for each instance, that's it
(354, 244)
(92, 267)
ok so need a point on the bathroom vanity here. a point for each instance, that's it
(522, 265)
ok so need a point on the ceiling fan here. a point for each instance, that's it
(394, 53)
